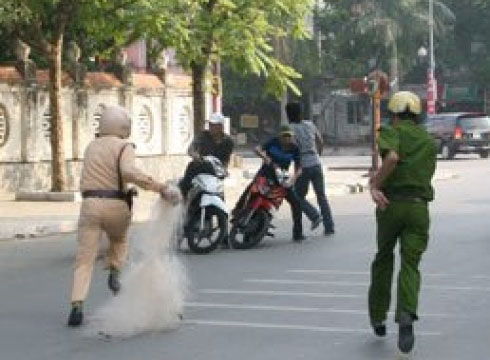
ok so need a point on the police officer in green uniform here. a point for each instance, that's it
(401, 189)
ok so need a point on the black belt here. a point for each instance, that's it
(407, 198)
(311, 152)
(104, 194)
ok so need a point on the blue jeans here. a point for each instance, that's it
(314, 175)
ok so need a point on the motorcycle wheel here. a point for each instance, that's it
(214, 232)
(253, 233)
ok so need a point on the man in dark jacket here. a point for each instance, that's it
(212, 142)
(281, 151)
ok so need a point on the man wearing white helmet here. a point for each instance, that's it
(210, 142)
(108, 166)
(401, 189)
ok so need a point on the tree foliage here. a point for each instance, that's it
(237, 32)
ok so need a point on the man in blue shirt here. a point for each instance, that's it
(281, 151)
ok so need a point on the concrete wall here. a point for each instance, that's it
(37, 176)
(162, 124)
(10, 108)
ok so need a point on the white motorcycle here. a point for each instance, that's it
(206, 226)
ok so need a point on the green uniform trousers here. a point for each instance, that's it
(407, 221)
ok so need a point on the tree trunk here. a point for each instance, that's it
(58, 170)
(284, 101)
(199, 96)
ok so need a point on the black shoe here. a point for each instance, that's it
(379, 329)
(329, 232)
(76, 316)
(113, 281)
(406, 338)
(299, 238)
(315, 223)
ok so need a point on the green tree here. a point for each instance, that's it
(43, 25)
(237, 32)
(402, 21)
(465, 53)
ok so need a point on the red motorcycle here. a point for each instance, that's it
(253, 222)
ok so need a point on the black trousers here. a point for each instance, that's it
(194, 168)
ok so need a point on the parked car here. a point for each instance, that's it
(460, 133)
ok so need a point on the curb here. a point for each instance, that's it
(234, 185)
(23, 230)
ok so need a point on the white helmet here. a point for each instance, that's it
(217, 119)
(405, 101)
(115, 121)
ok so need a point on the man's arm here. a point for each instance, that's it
(132, 174)
(229, 150)
(297, 173)
(194, 150)
(297, 168)
(390, 160)
(318, 139)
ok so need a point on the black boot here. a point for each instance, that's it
(113, 280)
(379, 328)
(76, 315)
(406, 338)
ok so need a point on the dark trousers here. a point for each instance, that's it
(406, 223)
(314, 175)
(194, 168)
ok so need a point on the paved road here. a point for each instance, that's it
(281, 301)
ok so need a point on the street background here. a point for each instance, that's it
(279, 301)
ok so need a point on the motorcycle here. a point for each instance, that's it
(253, 222)
(206, 226)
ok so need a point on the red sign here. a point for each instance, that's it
(431, 93)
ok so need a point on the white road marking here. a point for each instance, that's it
(334, 272)
(360, 284)
(279, 293)
(296, 309)
(367, 273)
(306, 282)
(291, 327)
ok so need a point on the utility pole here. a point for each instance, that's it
(431, 80)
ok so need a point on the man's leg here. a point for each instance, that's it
(241, 201)
(89, 232)
(388, 230)
(318, 182)
(88, 241)
(301, 188)
(192, 169)
(117, 218)
(302, 184)
(293, 200)
(413, 243)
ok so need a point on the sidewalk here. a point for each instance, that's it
(21, 220)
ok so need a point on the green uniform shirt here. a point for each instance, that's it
(417, 151)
